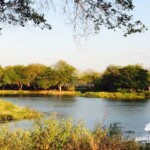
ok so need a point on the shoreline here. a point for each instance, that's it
(106, 95)
(118, 95)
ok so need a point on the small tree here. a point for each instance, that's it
(64, 74)
(31, 72)
(19, 76)
(110, 78)
(9, 76)
(46, 79)
(89, 79)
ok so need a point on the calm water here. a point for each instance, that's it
(133, 115)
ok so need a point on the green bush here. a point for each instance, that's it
(52, 134)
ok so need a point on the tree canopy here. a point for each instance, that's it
(63, 76)
(85, 15)
(110, 78)
(131, 77)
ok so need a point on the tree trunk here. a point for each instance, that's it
(34, 87)
(20, 87)
(59, 86)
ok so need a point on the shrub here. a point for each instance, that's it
(52, 134)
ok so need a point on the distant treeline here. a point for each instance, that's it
(63, 76)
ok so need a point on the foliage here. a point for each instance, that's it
(19, 78)
(88, 81)
(31, 72)
(110, 78)
(8, 76)
(20, 12)
(46, 79)
(132, 77)
(89, 76)
(10, 112)
(84, 14)
(52, 134)
(1, 75)
(64, 74)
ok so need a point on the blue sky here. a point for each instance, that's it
(32, 45)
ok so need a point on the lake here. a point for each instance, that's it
(133, 115)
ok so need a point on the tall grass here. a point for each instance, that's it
(37, 93)
(108, 95)
(117, 95)
(63, 135)
(10, 112)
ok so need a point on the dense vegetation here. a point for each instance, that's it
(131, 77)
(64, 135)
(63, 76)
(10, 112)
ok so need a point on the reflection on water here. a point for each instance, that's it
(133, 115)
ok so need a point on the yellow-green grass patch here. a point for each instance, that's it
(10, 112)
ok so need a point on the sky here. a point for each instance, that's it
(32, 45)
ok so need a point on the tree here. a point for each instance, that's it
(134, 77)
(19, 76)
(1, 76)
(31, 72)
(84, 14)
(46, 79)
(8, 76)
(149, 80)
(89, 79)
(110, 78)
(131, 77)
(64, 74)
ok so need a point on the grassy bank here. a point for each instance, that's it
(10, 112)
(37, 93)
(117, 95)
(107, 95)
(64, 135)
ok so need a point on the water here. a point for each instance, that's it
(133, 115)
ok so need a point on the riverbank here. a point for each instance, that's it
(118, 95)
(37, 93)
(53, 134)
(11, 112)
(108, 95)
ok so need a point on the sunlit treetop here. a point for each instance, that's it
(86, 16)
